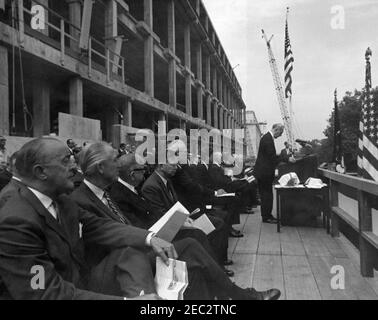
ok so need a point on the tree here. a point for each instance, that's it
(350, 113)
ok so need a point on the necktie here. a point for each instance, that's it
(170, 191)
(114, 208)
(55, 207)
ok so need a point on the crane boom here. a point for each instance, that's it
(286, 116)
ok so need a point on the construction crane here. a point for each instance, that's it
(285, 113)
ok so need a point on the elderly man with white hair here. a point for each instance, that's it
(264, 171)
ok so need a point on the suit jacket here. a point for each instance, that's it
(218, 179)
(267, 159)
(87, 200)
(191, 194)
(284, 156)
(133, 206)
(156, 193)
(30, 236)
(9, 190)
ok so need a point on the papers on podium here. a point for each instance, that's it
(203, 223)
(169, 224)
(171, 281)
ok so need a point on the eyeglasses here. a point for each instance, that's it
(139, 169)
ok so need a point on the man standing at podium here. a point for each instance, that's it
(266, 163)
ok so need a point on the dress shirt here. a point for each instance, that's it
(99, 193)
(46, 201)
(127, 185)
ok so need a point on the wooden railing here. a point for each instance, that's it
(360, 224)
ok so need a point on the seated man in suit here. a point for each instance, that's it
(158, 190)
(41, 226)
(100, 163)
(125, 192)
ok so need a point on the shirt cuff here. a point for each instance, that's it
(148, 239)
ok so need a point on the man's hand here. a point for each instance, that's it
(220, 192)
(163, 249)
(188, 223)
(147, 297)
(292, 160)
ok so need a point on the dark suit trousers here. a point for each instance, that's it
(214, 280)
(124, 272)
(266, 195)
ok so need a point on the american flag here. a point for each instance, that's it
(368, 144)
(289, 61)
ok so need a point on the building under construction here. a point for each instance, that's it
(100, 69)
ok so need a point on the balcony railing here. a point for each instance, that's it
(353, 207)
(67, 37)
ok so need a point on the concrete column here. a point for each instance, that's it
(199, 77)
(220, 86)
(208, 110)
(149, 50)
(76, 97)
(215, 83)
(127, 112)
(188, 64)
(221, 119)
(4, 92)
(216, 123)
(41, 107)
(208, 73)
(198, 8)
(111, 118)
(172, 47)
(74, 8)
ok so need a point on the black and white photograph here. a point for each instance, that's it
(205, 151)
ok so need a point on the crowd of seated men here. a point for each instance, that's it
(83, 216)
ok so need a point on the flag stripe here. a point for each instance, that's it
(289, 61)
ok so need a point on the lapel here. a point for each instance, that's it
(168, 200)
(42, 211)
(97, 202)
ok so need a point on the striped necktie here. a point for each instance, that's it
(114, 208)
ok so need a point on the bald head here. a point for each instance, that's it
(45, 164)
(37, 152)
(278, 130)
(130, 170)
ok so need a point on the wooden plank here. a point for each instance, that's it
(291, 242)
(269, 240)
(321, 269)
(300, 283)
(269, 274)
(249, 243)
(331, 244)
(244, 265)
(233, 242)
(354, 256)
(355, 282)
(354, 182)
(312, 243)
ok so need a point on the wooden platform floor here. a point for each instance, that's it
(297, 261)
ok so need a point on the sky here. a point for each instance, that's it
(325, 58)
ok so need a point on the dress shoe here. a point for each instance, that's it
(228, 272)
(252, 294)
(272, 220)
(272, 294)
(236, 234)
(228, 263)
